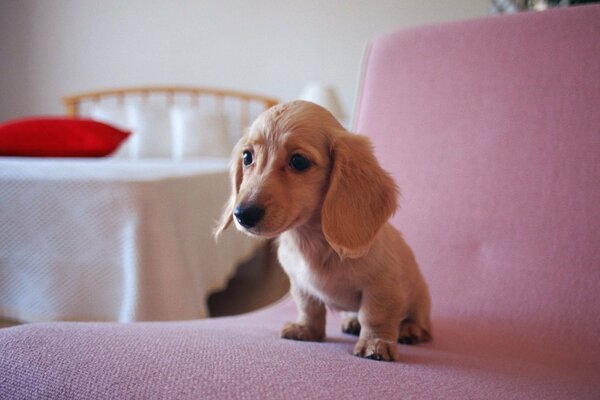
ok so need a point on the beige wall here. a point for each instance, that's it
(49, 48)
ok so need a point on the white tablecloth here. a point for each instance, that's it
(109, 239)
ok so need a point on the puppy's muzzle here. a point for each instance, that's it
(249, 215)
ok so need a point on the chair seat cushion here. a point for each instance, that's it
(243, 357)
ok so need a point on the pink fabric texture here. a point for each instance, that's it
(243, 358)
(491, 130)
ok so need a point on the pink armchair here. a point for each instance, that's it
(491, 128)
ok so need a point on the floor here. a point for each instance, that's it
(258, 283)
(5, 323)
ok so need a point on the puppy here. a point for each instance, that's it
(298, 175)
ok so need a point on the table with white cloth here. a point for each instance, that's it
(113, 239)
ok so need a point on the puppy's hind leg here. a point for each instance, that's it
(416, 328)
(412, 332)
(350, 324)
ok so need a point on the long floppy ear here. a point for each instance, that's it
(235, 174)
(361, 197)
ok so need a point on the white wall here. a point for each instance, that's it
(49, 48)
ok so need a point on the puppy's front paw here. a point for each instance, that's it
(376, 349)
(301, 332)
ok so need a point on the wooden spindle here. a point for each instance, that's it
(219, 104)
(245, 114)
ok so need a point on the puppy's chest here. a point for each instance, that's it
(331, 284)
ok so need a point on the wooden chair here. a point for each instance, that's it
(247, 103)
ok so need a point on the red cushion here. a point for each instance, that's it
(59, 137)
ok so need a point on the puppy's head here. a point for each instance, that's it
(297, 165)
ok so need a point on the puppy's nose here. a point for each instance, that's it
(249, 216)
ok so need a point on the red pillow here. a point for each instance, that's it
(59, 137)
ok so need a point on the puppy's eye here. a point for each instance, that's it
(299, 163)
(247, 158)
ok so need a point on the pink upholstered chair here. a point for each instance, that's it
(491, 128)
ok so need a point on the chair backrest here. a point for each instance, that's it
(492, 130)
(173, 121)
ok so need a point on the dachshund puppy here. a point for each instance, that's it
(298, 175)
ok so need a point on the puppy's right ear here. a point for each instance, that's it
(235, 174)
(361, 197)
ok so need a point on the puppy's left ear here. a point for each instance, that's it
(361, 197)
(235, 174)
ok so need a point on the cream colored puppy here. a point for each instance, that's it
(300, 176)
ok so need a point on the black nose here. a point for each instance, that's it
(249, 216)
